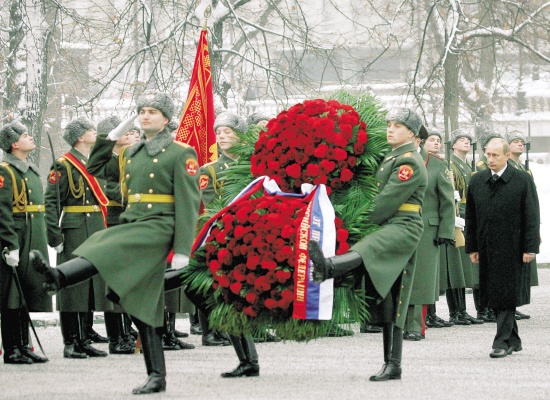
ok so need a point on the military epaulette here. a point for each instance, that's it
(407, 154)
(182, 144)
(61, 159)
(4, 164)
(211, 163)
(480, 163)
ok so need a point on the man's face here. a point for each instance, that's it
(398, 134)
(462, 144)
(496, 159)
(516, 147)
(152, 120)
(25, 143)
(129, 138)
(225, 136)
(89, 137)
(433, 144)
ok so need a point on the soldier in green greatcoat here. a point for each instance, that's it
(516, 140)
(388, 255)
(120, 341)
(160, 179)
(81, 217)
(438, 215)
(22, 229)
(461, 143)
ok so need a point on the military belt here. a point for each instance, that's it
(31, 208)
(81, 209)
(113, 203)
(410, 207)
(151, 198)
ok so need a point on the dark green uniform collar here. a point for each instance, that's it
(406, 148)
(424, 153)
(457, 160)
(153, 146)
(79, 156)
(19, 164)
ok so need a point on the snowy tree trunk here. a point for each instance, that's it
(37, 72)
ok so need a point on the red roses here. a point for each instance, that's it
(250, 254)
(317, 142)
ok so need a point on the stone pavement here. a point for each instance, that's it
(451, 363)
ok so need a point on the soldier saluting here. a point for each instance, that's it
(160, 177)
(22, 229)
(388, 255)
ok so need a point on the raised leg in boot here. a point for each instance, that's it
(69, 273)
(24, 347)
(326, 268)
(11, 338)
(248, 358)
(151, 344)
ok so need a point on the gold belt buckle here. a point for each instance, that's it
(137, 197)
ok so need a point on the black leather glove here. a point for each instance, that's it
(441, 241)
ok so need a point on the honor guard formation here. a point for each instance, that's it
(121, 207)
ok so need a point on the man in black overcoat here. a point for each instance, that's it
(502, 235)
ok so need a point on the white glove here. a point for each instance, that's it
(180, 261)
(122, 128)
(58, 248)
(457, 196)
(460, 222)
(12, 258)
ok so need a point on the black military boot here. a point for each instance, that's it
(69, 331)
(92, 334)
(209, 336)
(194, 320)
(24, 347)
(151, 345)
(113, 325)
(248, 358)
(69, 273)
(326, 268)
(84, 341)
(172, 320)
(169, 339)
(11, 338)
(130, 334)
(391, 336)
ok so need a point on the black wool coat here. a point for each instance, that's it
(502, 223)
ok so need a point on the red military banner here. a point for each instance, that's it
(197, 121)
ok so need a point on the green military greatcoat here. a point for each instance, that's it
(22, 227)
(438, 216)
(73, 229)
(161, 179)
(389, 254)
(481, 165)
(211, 180)
(534, 271)
(462, 174)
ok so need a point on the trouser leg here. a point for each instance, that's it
(11, 337)
(151, 345)
(505, 328)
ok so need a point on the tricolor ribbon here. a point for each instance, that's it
(311, 300)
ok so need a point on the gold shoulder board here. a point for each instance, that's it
(407, 154)
(182, 144)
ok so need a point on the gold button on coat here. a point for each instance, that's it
(151, 175)
(149, 205)
(155, 160)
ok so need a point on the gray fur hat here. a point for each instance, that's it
(172, 125)
(258, 116)
(233, 121)
(460, 133)
(108, 124)
(515, 134)
(407, 117)
(76, 128)
(434, 132)
(159, 100)
(10, 134)
(487, 135)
